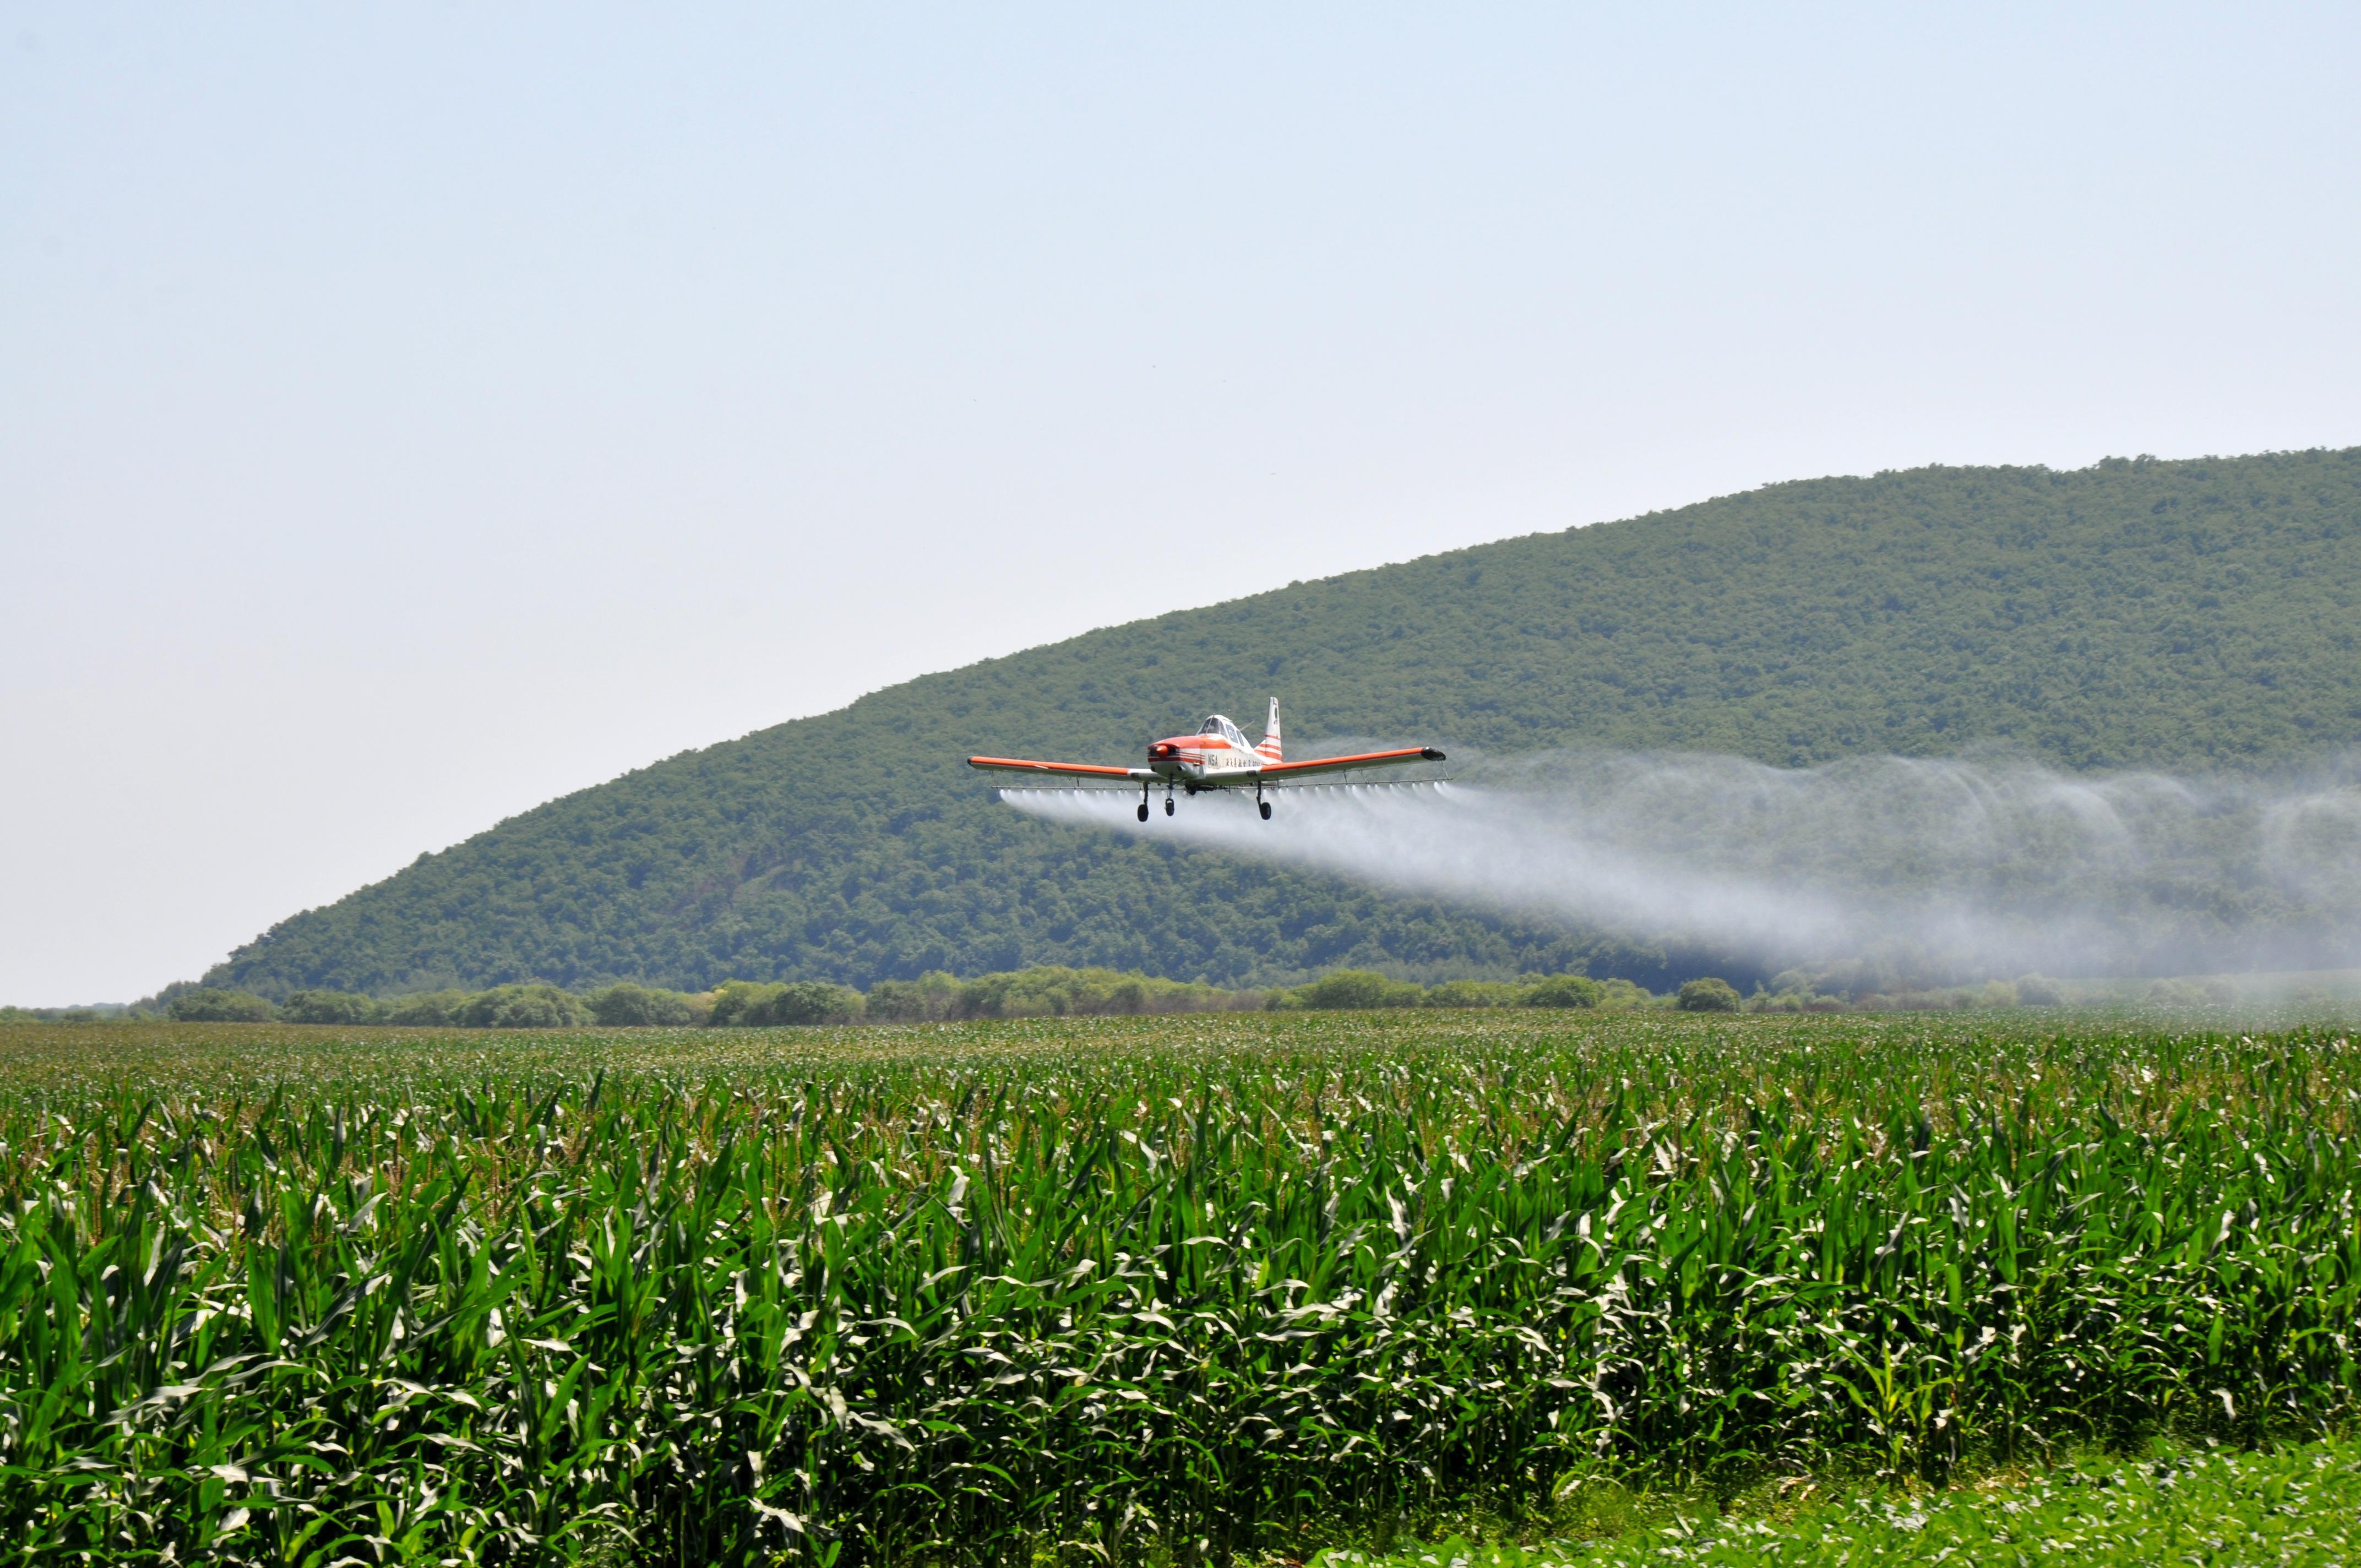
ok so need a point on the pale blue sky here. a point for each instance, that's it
(408, 414)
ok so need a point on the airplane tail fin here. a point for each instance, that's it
(1268, 750)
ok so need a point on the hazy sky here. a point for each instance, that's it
(408, 414)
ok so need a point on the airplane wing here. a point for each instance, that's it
(1068, 770)
(1361, 760)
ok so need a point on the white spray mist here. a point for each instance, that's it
(1945, 868)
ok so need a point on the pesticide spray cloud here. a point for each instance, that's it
(1938, 870)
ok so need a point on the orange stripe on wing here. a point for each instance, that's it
(1080, 770)
(1361, 760)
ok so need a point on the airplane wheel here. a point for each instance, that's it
(1143, 811)
(1167, 805)
(1266, 809)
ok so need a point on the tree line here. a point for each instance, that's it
(1048, 990)
(1041, 992)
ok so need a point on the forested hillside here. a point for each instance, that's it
(2138, 612)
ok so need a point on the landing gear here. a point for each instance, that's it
(1266, 809)
(1167, 805)
(1143, 811)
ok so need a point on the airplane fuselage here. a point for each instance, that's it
(1203, 761)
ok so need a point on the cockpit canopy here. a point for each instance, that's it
(1216, 725)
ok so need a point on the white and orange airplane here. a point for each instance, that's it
(1216, 757)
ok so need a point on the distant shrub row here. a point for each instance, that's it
(1366, 988)
(1050, 992)
(1036, 992)
(1023, 993)
(1047, 993)
(1799, 990)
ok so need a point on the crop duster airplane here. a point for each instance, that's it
(1216, 757)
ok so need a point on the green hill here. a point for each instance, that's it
(2138, 612)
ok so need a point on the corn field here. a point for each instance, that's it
(1161, 1288)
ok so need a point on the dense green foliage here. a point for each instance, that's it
(1349, 989)
(628, 1005)
(1708, 993)
(1358, 988)
(501, 1007)
(1049, 991)
(1045, 990)
(751, 1006)
(1197, 1284)
(317, 1007)
(208, 1005)
(2290, 1508)
(2133, 613)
